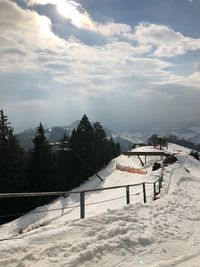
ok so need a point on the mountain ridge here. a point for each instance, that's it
(189, 132)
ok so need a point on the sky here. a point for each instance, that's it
(125, 63)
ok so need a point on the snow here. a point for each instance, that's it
(158, 233)
(127, 137)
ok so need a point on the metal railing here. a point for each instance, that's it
(156, 185)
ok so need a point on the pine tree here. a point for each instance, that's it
(153, 140)
(63, 163)
(118, 150)
(12, 165)
(90, 150)
(81, 144)
(100, 145)
(85, 136)
(12, 170)
(42, 164)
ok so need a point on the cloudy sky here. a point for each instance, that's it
(125, 63)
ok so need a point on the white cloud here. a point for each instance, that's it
(40, 70)
(41, 2)
(22, 33)
(80, 18)
(190, 81)
(28, 44)
(165, 40)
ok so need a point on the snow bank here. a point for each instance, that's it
(160, 233)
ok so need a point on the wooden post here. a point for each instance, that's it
(127, 195)
(144, 193)
(82, 204)
(154, 191)
(159, 185)
(162, 171)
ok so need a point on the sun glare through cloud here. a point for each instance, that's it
(73, 11)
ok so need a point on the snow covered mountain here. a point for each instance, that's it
(190, 132)
(158, 233)
(56, 133)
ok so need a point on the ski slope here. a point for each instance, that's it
(159, 233)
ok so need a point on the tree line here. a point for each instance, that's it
(45, 168)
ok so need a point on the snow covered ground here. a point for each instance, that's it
(159, 233)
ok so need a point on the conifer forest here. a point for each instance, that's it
(45, 168)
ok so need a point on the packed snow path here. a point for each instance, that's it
(162, 233)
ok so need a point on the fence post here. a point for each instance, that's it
(154, 191)
(144, 193)
(162, 170)
(160, 184)
(127, 195)
(82, 204)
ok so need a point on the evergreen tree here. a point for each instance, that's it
(90, 150)
(153, 140)
(85, 135)
(118, 150)
(12, 165)
(42, 170)
(12, 170)
(63, 164)
(82, 147)
(100, 145)
(115, 149)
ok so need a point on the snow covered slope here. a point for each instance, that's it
(65, 209)
(165, 232)
(189, 132)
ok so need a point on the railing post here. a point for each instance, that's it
(127, 195)
(144, 193)
(162, 170)
(154, 191)
(160, 184)
(82, 204)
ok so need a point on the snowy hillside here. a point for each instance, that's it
(190, 132)
(159, 233)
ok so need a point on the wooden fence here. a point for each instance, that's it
(130, 169)
(157, 185)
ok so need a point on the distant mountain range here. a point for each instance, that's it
(56, 133)
(190, 132)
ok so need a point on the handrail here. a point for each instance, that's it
(64, 193)
(82, 194)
